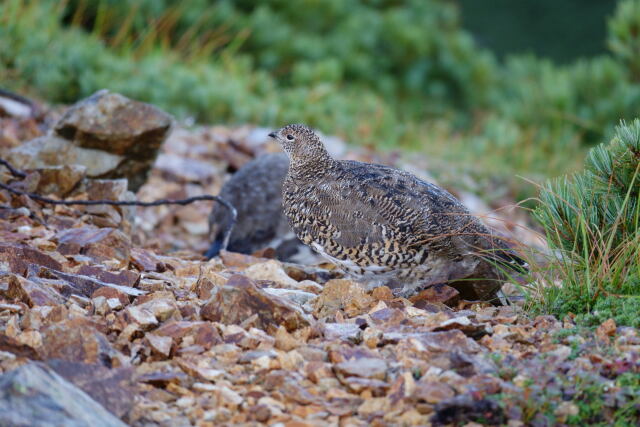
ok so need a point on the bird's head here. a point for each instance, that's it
(301, 144)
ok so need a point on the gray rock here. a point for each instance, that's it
(34, 395)
(60, 179)
(341, 331)
(50, 150)
(13, 108)
(365, 367)
(292, 295)
(184, 168)
(109, 134)
(112, 189)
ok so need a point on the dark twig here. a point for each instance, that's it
(182, 202)
(11, 95)
(36, 110)
(15, 172)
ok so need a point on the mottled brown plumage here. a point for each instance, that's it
(386, 226)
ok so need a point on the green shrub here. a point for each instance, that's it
(593, 219)
(624, 35)
(578, 101)
(413, 49)
(386, 73)
(601, 201)
(65, 64)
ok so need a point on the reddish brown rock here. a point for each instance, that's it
(15, 130)
(176, 330)
(59, 180)
(123, 277)
(366, 367)
(111, 123)
(260, 413)
(11, 237)
(448, 340)
(110, 216)
(141, 315)
(286, 341)
(272, 271)
(357, 385)
(317, 370)
(464, 324)
(16, 258)
(342, 295)
(98, 243)
(34, 395)
(112, 388)
(57, 314)
(388, 316)
(382, 293)
(31, 292)
(268, 253)
(436, 294)
(300, 273)
(76, 340)
(234, 259)
(13, 346)
(159, 344)
(206, 373)
(204, 334)
(108, 293)
(105, 216)
(203, 287)
(109, 189)
(145, 260)
(78, 284)
(240, 299)
(431, 392)
(161, 304)
(163, 379)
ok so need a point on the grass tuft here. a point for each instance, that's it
(591, 219)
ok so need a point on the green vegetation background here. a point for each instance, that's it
(392, 74)
(383, 72)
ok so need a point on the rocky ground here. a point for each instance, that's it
(111, 315)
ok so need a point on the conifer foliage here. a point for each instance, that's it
(600, 204)
(593, 219)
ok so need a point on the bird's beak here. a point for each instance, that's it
(272, 135)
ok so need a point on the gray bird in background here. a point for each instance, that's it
(384, 226)
(255, 190)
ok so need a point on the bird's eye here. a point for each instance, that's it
(290, 137)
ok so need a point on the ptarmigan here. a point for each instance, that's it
(383, 226)
(255, 190)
